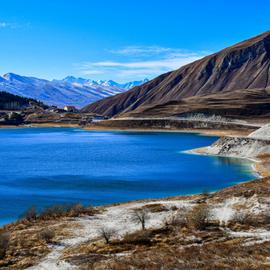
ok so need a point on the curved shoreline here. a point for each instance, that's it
(257, 167)
(258, 173)
(248, 173)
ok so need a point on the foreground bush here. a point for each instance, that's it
(178, 219)
(241, 218)
(199, 217)
(47, 235)
(56, 211)
(78, 210)
(30, 214)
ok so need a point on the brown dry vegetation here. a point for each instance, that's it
(263, 166)
(188, 240)
(170, 247)
(28, 238)
(213, 255)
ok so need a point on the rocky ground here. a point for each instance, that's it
(254, 146)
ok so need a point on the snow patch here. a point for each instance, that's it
(259, 234)
(224, 212)
(117, 217)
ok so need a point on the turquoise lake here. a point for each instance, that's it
(46, 166)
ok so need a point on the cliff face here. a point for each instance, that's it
(242, 66)
(238, 147)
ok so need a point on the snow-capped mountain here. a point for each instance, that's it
(68, 91)
(106, 83)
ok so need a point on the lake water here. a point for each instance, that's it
(45, 166)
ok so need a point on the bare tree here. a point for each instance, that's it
(107, 234)
(30, 213)
(199, 216)
(140, 216)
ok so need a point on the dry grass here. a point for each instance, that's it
(210, 256)
(29, 237)
(186, 241)
(263, 166)
(199, 217)
(165, 248)
(23, 250)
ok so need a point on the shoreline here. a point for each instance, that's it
(39, 125)
(257, 167)
(201, 131)
(77, 237)
(258, 172)
(256, 163)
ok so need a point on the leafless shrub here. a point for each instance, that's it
(107, 234)
(60, 210)
(140, 216)
(47, 235)
(52, 211)
(4, 241)
(78, 210)
(177, 220)
(30, 214)
(243, 218)
(57, 210)
(199, 217)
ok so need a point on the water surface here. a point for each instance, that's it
(45, 166)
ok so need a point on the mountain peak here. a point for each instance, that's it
(71, 90)
(72, 79)
(106, 83)
(261, 40)
(11, 76)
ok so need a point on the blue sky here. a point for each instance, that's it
(120, 39)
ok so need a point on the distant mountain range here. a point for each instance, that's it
(72, 91)
(234, 81)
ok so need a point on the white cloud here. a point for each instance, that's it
(140, 50)
(92, 72)
(4, 24)
(141, 62)
(13, 25)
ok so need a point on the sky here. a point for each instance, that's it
(122, 40)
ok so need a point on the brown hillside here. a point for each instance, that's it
(241, 66)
